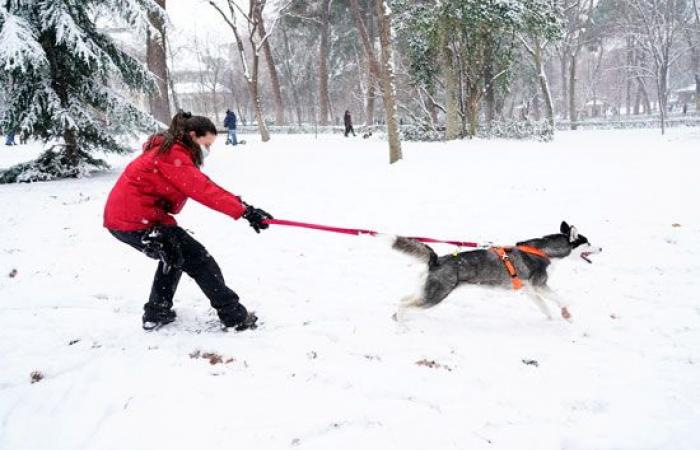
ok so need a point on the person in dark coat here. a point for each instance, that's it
(140, 212)
(230, 122)
(347, 118)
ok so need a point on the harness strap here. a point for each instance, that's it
(510, 267)
(502, 253)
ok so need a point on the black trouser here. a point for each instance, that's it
(349, 129)
(179, 252)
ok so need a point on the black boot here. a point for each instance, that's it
(249, 323)
(155, 319)
(237, 317)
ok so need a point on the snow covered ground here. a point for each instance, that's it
(330, 368)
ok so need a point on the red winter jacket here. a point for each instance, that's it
(155, 186)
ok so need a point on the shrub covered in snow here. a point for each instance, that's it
(537, 130)
(420, 133)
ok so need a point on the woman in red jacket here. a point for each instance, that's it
(140, 209)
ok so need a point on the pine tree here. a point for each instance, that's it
(60, 77)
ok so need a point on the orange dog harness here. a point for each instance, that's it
(502, 253)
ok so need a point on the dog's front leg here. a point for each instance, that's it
(549, 294)
(539, 301)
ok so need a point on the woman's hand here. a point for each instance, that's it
(256, 217)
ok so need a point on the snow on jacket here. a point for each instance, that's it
(155, 186)
(230, 120)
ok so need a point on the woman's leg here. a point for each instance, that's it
(160, 302)
(200, 266)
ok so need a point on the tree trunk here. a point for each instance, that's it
(453, 125)
(544, 84)
(388, 82)
(646, 103)
(369, 107)
(291, 77)
(262, 126)
(433, 107)
(661, 87)
(472, 108)
(272, 69)
(564, 85)
(695, 60)
(628, 76)
(60, 86)
(373, 64)
(490, 95)
(323, 62)
(572, 91)
(697, 93)
(158, 101)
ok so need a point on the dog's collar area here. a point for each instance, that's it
(502, 253)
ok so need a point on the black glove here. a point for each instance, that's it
(256, 217)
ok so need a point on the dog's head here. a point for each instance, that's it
(579, 243)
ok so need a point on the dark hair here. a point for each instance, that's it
(179, 132)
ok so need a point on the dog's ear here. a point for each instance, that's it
(564, 228)
(573, 234)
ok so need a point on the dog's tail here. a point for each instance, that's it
(416, 249)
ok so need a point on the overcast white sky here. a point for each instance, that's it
(190, 15)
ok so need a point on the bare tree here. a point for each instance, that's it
(657, 24)
(370, 56)
(454, 126)
(536, 47)
(579, 14)
(257, 41)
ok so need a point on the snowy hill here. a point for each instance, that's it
(329, 368)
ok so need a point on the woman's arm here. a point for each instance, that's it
(177, 167)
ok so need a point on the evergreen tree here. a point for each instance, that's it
(60, 78)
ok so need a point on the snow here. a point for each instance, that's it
(329, 368)
(18, 46)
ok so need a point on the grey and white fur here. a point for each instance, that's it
(485, 267)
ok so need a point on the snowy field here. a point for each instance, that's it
(329, 368)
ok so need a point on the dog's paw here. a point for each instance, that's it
(566, 314)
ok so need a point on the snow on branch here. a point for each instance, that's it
(19, 48)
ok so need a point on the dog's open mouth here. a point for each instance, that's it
(585, 257)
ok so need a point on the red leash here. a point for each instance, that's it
(358, 232)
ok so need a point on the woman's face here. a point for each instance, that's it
(205, 141)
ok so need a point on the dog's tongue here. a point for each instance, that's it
(585, 257)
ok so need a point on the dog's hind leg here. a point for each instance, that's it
(440, 282)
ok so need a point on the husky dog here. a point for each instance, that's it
(367, 135)
(499, 267)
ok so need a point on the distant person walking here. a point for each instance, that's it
(10, 138)
(685, 109)
(230, 122)
(347, 118)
